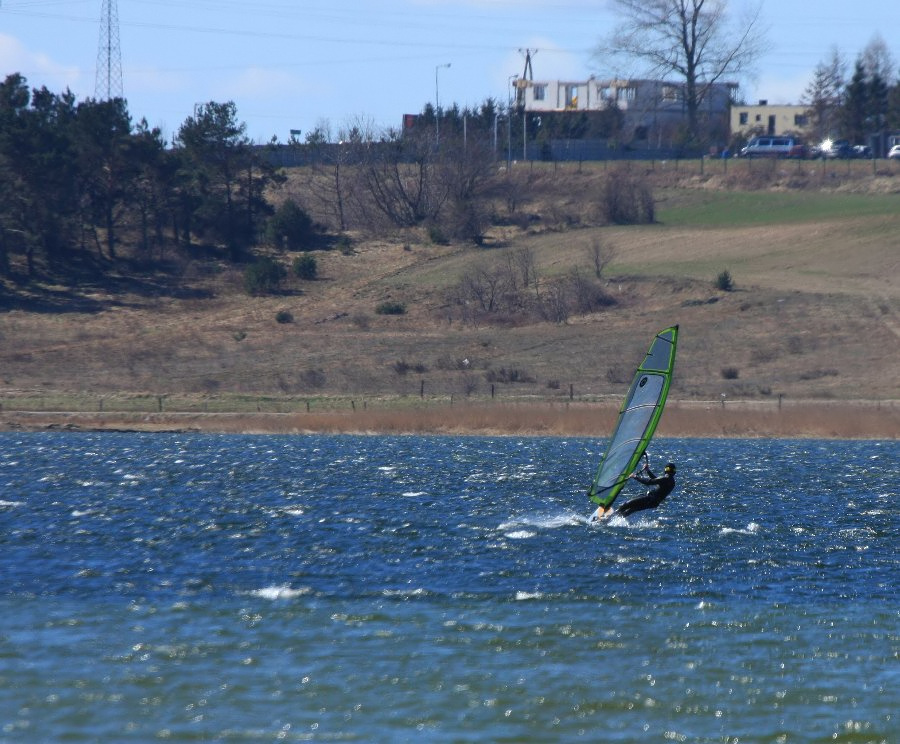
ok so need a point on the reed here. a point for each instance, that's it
(801, 420)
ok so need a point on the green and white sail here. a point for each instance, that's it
(638, 418)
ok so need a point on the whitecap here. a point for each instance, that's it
(750, 529)
(543, 521)
(280, 592)
(405, 593)
(413, 494)
(10, 503)
(523, 596)
(520, 535)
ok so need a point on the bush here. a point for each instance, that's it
(284, 316)
(724, 281)
(627, 199)
(264, 276)
(391, 308)
(437, 236)
(730, 373)
(305, 266)
(345, 245)
(290, 227)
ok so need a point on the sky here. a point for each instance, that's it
(301, 64)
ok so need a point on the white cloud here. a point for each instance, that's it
(38, 68)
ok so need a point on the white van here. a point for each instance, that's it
(772, 147)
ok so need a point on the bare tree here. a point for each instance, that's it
(877, 59)
(692, 39)
(824, 93)
(601, 254)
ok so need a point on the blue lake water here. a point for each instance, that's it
(190, 587)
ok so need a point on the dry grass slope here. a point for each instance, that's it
(815, 315)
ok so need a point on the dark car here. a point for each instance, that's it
(832, 149)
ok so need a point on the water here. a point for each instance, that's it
(446, 589)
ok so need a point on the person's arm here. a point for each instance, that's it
(646, 481)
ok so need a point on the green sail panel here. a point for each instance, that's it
(638, 418)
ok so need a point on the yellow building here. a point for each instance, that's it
(772, 120)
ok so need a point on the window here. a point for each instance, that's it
(625, 94)
(800, 120)
(670, 93)
(744, 117)
(539, 92)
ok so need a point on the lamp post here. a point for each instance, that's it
(437, 104)
(509, 121)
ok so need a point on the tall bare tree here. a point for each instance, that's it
(824, 95)
(693, 40)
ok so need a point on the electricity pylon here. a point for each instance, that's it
(109, 54)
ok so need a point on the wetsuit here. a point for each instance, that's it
(661, 487)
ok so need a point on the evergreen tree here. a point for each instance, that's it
(855, 112)
(106, 168)
(223, 178)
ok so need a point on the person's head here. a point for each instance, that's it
(670, 468)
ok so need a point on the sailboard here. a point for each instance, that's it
(638, 418)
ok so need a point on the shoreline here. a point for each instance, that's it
(797, 420)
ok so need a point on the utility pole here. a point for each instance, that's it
(109, 54)
(437, 104)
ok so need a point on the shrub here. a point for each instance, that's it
(284, 316)
(402, 367)
(724, 281)
(627, 199)
(436, 235)
(344, 245)
(507, 375)
(305, 266)
(730, 373)
(391, 308)
(290, 227)
(263, 276)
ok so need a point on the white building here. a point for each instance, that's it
(651, 108)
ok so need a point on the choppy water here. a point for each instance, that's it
(341, 588)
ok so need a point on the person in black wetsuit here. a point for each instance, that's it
(660, 487)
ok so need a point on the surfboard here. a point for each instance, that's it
(638, 418)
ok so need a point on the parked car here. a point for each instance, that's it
(862, 151)
(833, 149)
(772, 147)
(894, 152)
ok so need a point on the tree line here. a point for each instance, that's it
(79, 179)
(865, 105)
(80, 182)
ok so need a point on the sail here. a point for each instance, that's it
(638, 418)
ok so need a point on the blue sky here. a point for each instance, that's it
(293, 64)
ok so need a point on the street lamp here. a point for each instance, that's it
(509, 120)
(437, 104)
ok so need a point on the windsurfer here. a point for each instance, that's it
(660, 487)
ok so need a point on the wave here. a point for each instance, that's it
(751, 529)
(280, 592)
(544, 521)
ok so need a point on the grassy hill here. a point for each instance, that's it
(814, 313)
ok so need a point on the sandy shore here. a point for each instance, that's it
(799, 419)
